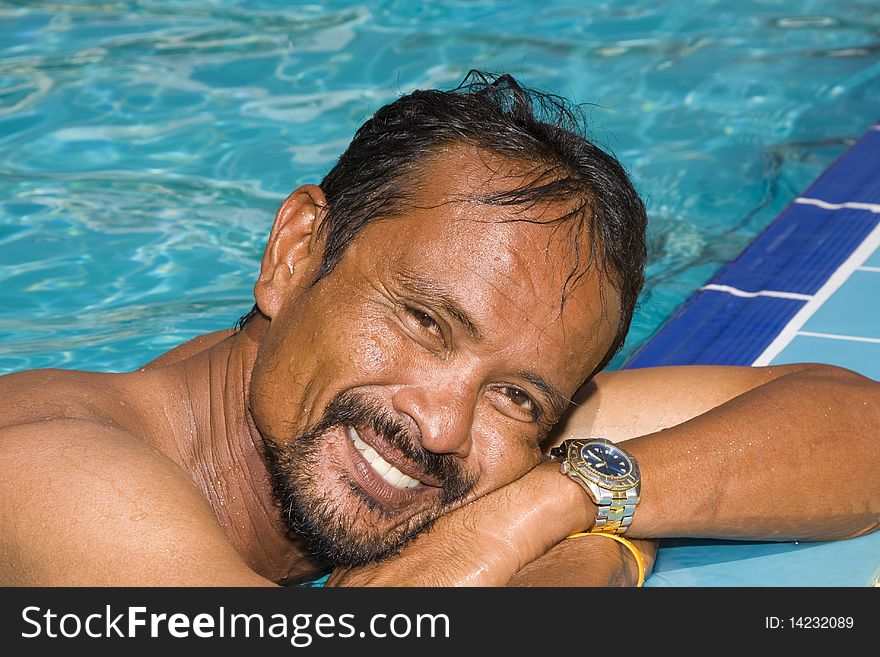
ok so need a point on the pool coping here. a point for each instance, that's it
(746, 315)
(743, 314)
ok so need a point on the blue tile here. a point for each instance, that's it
(717, 328)
(854, 176)
(799, 250)
(862, 357)
(854, 309)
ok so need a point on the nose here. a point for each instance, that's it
(444, 416)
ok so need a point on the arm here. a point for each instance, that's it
(666, 397)
(711, 441)
(86, 504)
(791, 454)
(672, 396)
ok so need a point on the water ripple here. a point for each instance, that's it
(147, 143)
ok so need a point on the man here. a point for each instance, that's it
(423, 320)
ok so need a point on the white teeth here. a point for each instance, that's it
(360, 444)
(382, 467)
(393, 476)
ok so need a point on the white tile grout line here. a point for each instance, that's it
(849, 205)
(867, 268)
(836, 336)
(838, 278)
(761, 293)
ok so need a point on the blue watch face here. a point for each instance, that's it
(606, 459)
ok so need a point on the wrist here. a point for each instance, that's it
(626, 576)
(580, 563)
(540, 510)
(609, 475)
(569, 508)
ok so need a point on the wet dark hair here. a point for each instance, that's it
(373, 178)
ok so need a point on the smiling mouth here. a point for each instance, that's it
(380, 466)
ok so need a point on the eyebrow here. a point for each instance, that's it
(436, 294)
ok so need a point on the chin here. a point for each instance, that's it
(339, 522)
(348, 528)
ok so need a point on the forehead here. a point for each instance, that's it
(508, 265)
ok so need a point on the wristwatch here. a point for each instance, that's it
(608, 473)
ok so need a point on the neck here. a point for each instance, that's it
(216, 440)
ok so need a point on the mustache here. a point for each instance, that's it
(312, 516)
(355, 409)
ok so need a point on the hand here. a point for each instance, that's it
(587, 561)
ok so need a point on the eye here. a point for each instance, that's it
(425, 320)
(522, 400)
(422, 327)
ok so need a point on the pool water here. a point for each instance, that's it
(145, 145)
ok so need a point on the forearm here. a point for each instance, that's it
(489, 540)
(493, 542)
(795, 458)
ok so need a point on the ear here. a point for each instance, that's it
(293, 252)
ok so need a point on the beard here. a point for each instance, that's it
(332, 536)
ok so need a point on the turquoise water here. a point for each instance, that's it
(145, 145)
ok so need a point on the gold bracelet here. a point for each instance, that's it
(640, 560)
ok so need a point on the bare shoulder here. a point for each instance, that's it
(86, 503)
(49, 394)
(129, 401)
(189, 348)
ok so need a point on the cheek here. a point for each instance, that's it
(348, 334)
(283, 382)
(504, 458)
(371, 350)
(265, 403)
(312, 355)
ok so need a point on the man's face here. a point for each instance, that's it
(426, 368)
